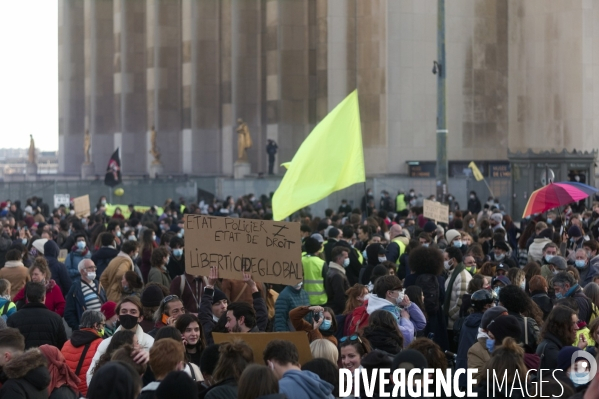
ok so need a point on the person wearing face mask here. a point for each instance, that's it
(336, 282)
(474, 205)
(130, 315)
(575, 371)
(323, 323)
(581, 263)
(456, 285)
(565, 286)
(291, 297)
(79, 252)
(116, 269)
(454, 239)
(87, 339)
(158, 273)
(85, 293)
(176, 264)
(375, 255)
(388, 294)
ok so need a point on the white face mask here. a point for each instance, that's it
(91, 275)
(383, 259)
(447, 265)
(400, 297)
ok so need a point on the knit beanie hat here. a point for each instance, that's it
(505, 326)
(429, 227)
(564, 357)
(219, 296)
(490, 315)
(152, 296)
(451, 235)
(574, 231)
(176, 385)
(108, 309)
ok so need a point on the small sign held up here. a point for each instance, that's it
(436, 211)
(62, 199)
(82, 207)
(270, 251)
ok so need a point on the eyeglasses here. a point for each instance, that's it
(169, 298)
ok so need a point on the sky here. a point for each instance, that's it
(29, 73)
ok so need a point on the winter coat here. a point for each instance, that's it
(289, 299)
(408, 327)
(533, 330)
(18, 275)
(58, 269)
(27, 377)
(102, 259)
(478, 355)
(176, 267)
(548, 349)
(73, 350)
(72, 262)
(459, 288)
(63, 392)
(144, 340)
(436, 323)
(192, 291)
(157, 275)
(474, 205)
(468, 336)
(353, 270)
(296, 316)
(297, 384)
(238, 291)
(54, 298)
(145, 266)
(39, 325)
(226, 389)
(335, 287)
(76, 303)
(149, 391)
(113, 274)
(543, 301)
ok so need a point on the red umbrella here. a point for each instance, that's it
(557, 194)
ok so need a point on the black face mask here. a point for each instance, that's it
(127, 321)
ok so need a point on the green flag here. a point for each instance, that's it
(330, 158)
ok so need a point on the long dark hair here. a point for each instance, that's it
(559, 323)
(184, 321)
(414, 292)
(384, 320)
(118, 340)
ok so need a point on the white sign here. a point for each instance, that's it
(62, 199)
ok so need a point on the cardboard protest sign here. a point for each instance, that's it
(270, 251)
(436, 211)
(258, 341)
(62, 199)
(81, 205)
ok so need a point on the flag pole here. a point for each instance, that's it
(489, 187)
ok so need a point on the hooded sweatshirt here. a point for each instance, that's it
(58, 269)
(408, 327)
(298, 384)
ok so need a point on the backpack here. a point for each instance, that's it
(358, 320)
(430, 290)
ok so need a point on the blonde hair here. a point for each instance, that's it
(323, 348)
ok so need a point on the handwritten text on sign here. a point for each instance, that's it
(270, 251)
(436, 211)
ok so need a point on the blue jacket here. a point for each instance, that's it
(298, 384)
(468, 338)
(58, 269)
(288, 299)
(76, 303)
(12, 308)
(72, 262)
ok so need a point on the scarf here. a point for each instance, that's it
(76, 249)
(60, 373)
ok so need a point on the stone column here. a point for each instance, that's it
(226, 71)
(99, 83)
(201, 143)
(70, 86)
(130, 84)
(163, 77)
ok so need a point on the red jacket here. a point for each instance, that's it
(54, 299)
(73, 350)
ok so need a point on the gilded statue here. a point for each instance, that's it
(154, 147)
(244, 140)
(87, 143)
(31, 155)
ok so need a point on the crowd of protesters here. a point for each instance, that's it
(102, 307)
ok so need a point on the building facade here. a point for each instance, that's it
(521, 75)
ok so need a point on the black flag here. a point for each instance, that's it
(113, 170)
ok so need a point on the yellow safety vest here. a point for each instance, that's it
(400, 203)
(402, 248)
(360, 256)
(313, 281)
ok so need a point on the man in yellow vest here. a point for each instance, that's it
(400, 202)
(313, 265)
(396, 247)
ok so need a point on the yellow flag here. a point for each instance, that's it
(477, 175)
(330, 159)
